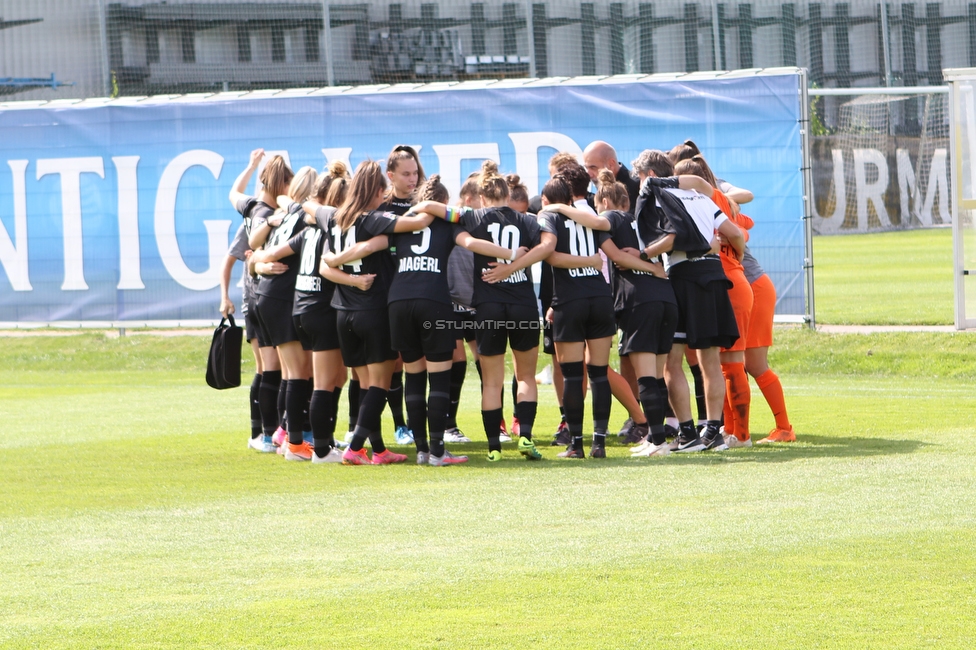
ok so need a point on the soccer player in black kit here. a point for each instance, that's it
(313, 314)
(582, 317)
(507, 310)
(363, 318)
(267, 396)
(644, 303)
(405, 173)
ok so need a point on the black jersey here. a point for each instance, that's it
(255, 213)
(282, 286)
(579, 241)
(510, 229)
(366, 226)
(631, 288)
(422, 263)
(312, 291)
(397, 206)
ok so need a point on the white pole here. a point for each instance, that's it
(807, 200)
(327, 41)
(103, 37)
(716, 38)
(885, 42)
(530, 27)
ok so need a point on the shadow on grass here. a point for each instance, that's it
(808, 447)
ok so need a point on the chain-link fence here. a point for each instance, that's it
(138, 47)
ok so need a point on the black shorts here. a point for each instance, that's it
(502, 323)
(648, 327)
(364, 337)
(252, 328)
(465, 319)
(422, 329)
(583, 320)
(705, 316)
(317, 329)
(274, 316)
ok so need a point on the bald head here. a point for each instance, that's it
(599, 155)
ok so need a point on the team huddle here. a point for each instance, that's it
(380, 283)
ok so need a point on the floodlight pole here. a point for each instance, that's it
(530, 29)
(716, 38)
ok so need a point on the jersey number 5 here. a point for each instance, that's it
(421, 248)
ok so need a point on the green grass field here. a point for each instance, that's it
(892, 278)
(133, 516)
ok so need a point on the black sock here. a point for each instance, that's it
(296, 398)
(573, 397)
(268, 400)
(334, 408)
(458, 371)
(696, 374)
(493, 421)
(255, 397)
(525, 412)
(438, 405)
(369, 420)
(395, 400)
(320, 415)
(711, 428)
(602, 400)
(653, 406)
(414, 393)
(562, 414)
(651, 400)
(282, 404)
(687, 430)
(514, 390)
(354, 397)
(663, 387)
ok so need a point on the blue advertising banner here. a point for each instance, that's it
(118, 211)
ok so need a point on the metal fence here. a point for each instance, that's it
(136, 47)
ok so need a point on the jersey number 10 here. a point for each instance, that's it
(508, 237)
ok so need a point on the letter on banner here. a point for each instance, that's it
(70, 170)
(13, 256)
(130, 273)
(870, 192)
(907, 185)
(938, 184)
(450, 156)
(833, 222)
(527, 147)
(165, 223)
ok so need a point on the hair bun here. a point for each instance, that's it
(606, 177)
(489, 168)
(513, 180)
(338, 169)
(434, 179)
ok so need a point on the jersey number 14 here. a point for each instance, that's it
(356, 265)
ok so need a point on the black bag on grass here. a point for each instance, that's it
(224, 362)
